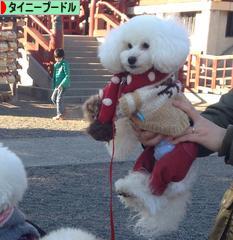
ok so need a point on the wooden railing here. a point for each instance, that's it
(72, 24)
(77, 24)
(40, 41)
(103, 17)
(208, 73)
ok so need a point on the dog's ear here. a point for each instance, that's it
(170, 45)
(110, 49)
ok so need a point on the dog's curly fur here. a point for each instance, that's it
(70, 234)
(13, 179)
(167, 41)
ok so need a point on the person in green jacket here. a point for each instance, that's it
(60, 82)
(213, 131)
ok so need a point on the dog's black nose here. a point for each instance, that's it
(132, 60)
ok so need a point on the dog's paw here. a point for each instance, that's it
(101, 131)
(125, 194)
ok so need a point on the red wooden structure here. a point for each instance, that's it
(45, 33)
(41, 40)
(105, 15)
(208, 73)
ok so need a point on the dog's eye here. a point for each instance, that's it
(130, 45)
(145, 46)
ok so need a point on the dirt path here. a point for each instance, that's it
(31, 116)
(27, 118)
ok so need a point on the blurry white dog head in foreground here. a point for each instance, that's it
(145, 42)
(13, 180)
(70, 234)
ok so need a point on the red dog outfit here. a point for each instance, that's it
(173, 166)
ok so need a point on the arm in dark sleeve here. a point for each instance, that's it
(221, 114)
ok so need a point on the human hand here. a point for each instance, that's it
(59, 88)
(146, 138)
(53, 97)
(203, 131)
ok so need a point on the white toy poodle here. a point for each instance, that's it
(144, 54)
(13, 225)
(13, 183)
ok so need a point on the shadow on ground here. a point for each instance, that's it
(36, 133)
(30, 108)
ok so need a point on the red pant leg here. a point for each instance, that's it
(173, 166)
(145, 161)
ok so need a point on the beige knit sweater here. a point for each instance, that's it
(155, 104)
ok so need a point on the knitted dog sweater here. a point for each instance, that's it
(154, 103)
(123, 83)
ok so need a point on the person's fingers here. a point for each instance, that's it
(148, 135)
(153, 141)
(186, 138)
(191, 130)
(187, 108)
(147, 138)
(135, 126)
(142, 134)
(135, 121)
(168, 138)
(191, 134)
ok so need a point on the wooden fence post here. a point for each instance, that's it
(57, 29)
(197, 71)
(214, 74)
(189, 65)
(232, 73)
(92, 17)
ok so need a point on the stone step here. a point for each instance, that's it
(88, 84)
(78, 48)
(84, 60)
(76, 99)
(93, 78)
(72, 56)
(79, 38)
(81, 91)
(74, 67)
(73, 44)
(68, 38)
(89, 72)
